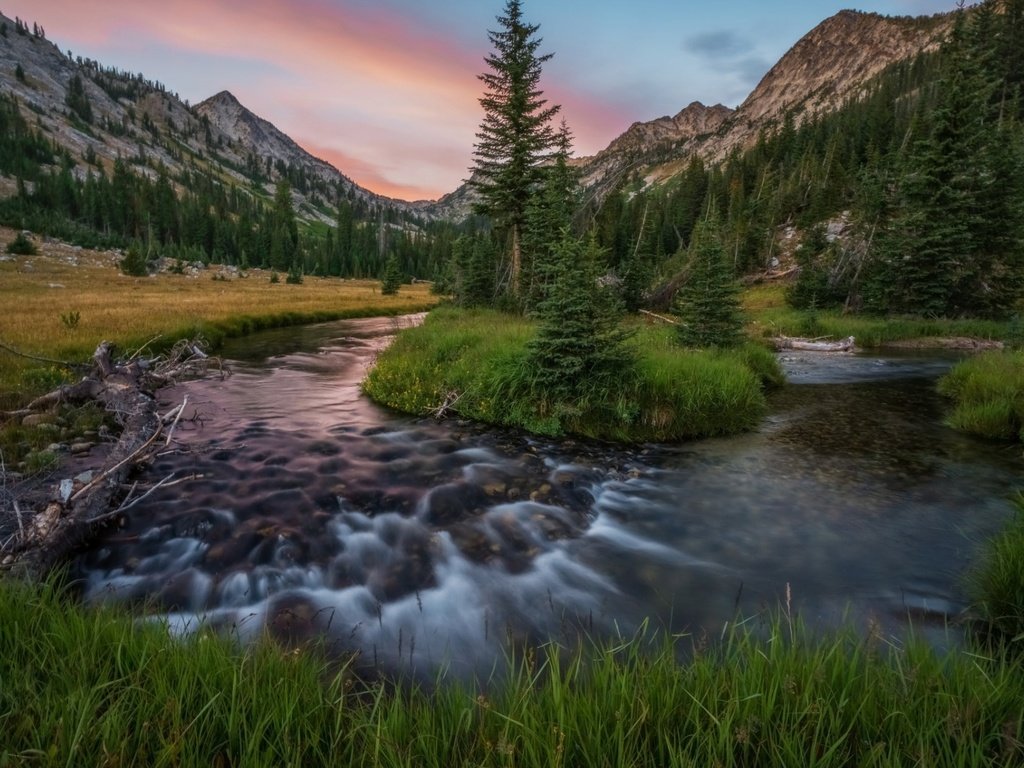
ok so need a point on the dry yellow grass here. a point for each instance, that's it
(36, 291)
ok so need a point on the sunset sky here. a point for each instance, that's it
(387, 90)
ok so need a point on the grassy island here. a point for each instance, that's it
(472, 362)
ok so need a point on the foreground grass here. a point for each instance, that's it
(56, 310)
(988, 394)
(83, 687)
(474, 361)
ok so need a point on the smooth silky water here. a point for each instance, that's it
(428, 546)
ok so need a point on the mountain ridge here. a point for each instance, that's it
(827, 66)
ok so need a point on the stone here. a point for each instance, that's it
(82, 447)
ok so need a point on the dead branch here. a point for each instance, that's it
(659, 317)
(64, 363)
(450, 399)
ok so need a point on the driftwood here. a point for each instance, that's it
(126, 389)
(656, 316)
(810, 345)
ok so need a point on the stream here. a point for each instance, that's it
(428, 546)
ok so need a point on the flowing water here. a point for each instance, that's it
(428, 546)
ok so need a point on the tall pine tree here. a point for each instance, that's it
(515, 135)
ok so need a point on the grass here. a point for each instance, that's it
(93, 687)
(474, 361)
(770, 316)
(988, 394)
(997, 582)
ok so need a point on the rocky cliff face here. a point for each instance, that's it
(644, 144)
(141, 121)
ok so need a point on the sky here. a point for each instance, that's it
(387, 90)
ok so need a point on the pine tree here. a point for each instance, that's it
(134, 262)
(77, 99)
(515, 134)
(708, 304)
(952, 244)
(284, 230)
(474, 259)
(392, 277)
(548, 214)
(580, 345)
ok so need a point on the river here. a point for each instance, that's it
(429, 546)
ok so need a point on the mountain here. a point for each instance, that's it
(134, 118)
(830, 65)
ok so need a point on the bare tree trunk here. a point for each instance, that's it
(517, 262)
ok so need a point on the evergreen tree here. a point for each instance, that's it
(284, 230)
(548, 214)
(952, 244)
(515, 134)
(134, 262)
(708, 304)
(474, 257)
(580, 345)
(21, 246)
(77, 99)
(392, 277)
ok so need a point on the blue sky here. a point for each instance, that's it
(386, 89)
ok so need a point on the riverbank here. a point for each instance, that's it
(59, 304)
(473, 363)
(769, 316)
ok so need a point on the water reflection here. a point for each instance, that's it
(428, 546)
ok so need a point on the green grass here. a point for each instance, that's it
(988, 394)
(475, 362)
(997, 582)
(93, 687)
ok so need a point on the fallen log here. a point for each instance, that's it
(126, 389)
(807, 345)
